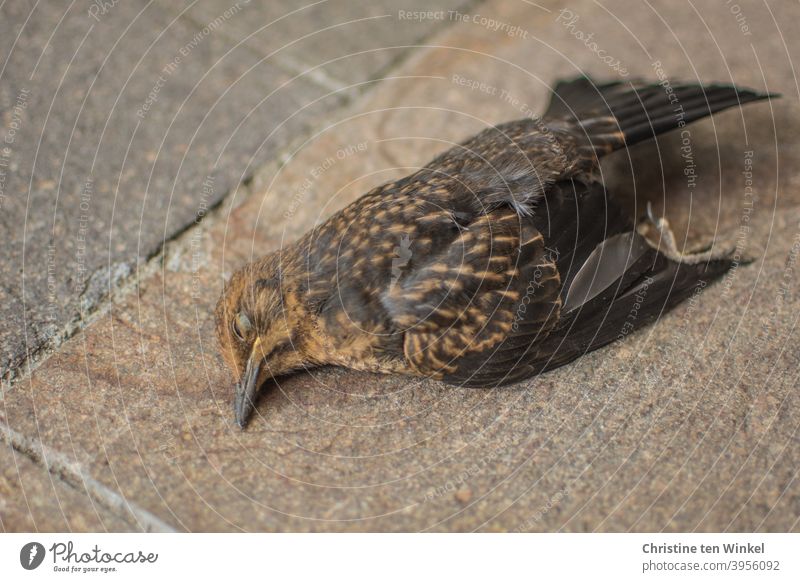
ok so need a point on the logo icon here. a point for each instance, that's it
(31, 555)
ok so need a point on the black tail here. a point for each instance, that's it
(621, 113)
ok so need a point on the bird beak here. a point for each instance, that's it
(244, 400)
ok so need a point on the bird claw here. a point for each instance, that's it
(652, 227)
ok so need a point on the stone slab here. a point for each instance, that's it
(34, 500)
(117, 130)
(337, 42)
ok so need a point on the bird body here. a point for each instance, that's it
(502, 258)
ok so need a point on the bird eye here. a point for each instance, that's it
(241, 325)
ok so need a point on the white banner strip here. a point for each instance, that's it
(400, 557)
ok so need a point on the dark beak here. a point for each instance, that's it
(244, 400)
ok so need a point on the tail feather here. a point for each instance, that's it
(615, 115)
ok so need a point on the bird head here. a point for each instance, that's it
(257, 319)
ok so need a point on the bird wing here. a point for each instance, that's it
(493, 290)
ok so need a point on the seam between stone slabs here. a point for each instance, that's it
(73, 475)
(121, 288)
(406, 54)
(287, 64)
(70, 472)
(298, 66)
(319, 76)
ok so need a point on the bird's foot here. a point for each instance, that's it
(658, 234)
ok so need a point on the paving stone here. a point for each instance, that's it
(336, 42)
(690, 424)
(118, 132)
(34, 500)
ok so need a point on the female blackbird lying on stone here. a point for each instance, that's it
(502, 258)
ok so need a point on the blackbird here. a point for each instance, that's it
(502, 258)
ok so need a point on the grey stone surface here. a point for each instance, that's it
(32, 499)
(338, 42)
(120, 131)
(690, 424)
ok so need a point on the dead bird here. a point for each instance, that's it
(502, 258)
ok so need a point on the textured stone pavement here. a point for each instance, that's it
(691, 424)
